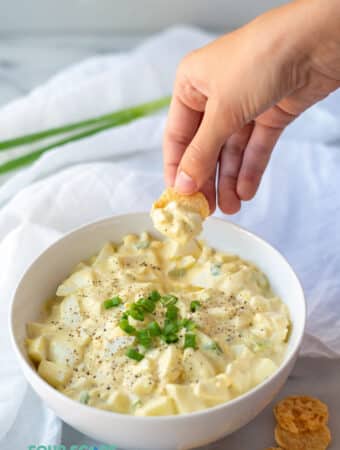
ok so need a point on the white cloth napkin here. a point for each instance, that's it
(297, 208)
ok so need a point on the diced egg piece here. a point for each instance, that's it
(196, 365)
(35, 329)
(214, 390)
(55, 374)
(63, 352)
(170, 364)
(185, 399)
(37, 348)
(119, 401)
(263, 369)
(158, 406)
(81, 279)
(70, 311)
(104, 254)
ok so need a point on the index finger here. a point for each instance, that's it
(181, 127)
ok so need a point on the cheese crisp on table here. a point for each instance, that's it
(159, 327)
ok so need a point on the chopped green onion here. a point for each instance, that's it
(28, 158)
(137, 404)
(125, 326)
(115, 117)
(170, 338)
(167, 300)
(136, 312)
(147, 304)
(259, 346)
(134, 354)
(144, 338)
(142, 244)
(177, 273)
(112, 302)
(215, 269)
(155, 296)
(212, 345)
(188, 324)
(86, 128)
(190, 341)
(170, 327)
(84, 397)
(171, 312)
(154, 329)
(194, 305)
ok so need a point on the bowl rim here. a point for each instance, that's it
(289, 357)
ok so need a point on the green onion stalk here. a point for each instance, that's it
(76, 131)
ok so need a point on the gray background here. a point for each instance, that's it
(126, 15)
(40, 37)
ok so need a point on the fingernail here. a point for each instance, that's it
(185, 184)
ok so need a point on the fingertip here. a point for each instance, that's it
(228, 200)
(185, 184)
(230, 206)
(246, 190)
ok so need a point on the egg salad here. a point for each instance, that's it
(159, 327)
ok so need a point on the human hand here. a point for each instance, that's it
(233, 98)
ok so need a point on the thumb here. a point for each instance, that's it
(199, 160)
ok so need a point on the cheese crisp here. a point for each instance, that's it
(159, 327)
(302, 423)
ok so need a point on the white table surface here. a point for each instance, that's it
(317, 377)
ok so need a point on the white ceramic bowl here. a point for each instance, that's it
(158, 433)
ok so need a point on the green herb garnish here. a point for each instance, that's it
(177, 273)
(144, 338)
(194, 305)
(112, 302)
(125, 326)
(170, 338)
(167, 300)
(136, 312)
(190, 341)
(171, 312)
(134, 354)
(170, 327)
(155, 296)
(146, 304)
(142, 244)
(168, 332)
(137, 404)
(259, 346)
(154, 329)
(188, 324)
(84, 397)
(215, 269)
(212, 345)
(75, 131)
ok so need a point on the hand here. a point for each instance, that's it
(233, 98)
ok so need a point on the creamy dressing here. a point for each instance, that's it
(240, 327)
(177, 222)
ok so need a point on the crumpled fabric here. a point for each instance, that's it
(297, 208)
